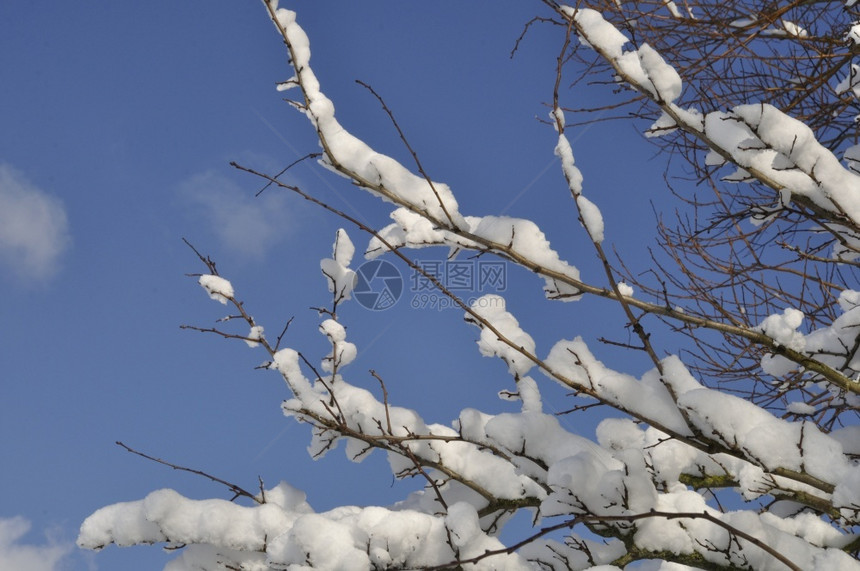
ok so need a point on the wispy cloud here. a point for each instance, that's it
(34, 229)
(15, 555)
(246, 224)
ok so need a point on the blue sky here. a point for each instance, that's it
(117, 123)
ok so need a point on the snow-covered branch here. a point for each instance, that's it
(690, 474)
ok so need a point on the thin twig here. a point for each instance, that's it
(236, 489)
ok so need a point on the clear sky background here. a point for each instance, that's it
(117, 123)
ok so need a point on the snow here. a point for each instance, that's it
(772, 442)
(490, 309)
(525, 239)
(290, 533)
(786, 28)
(800, 408)
(625, 289)
(714, 159)
(343, 249)
(254, 336)
(783, 329)
(667, 457)
(664, 125)
(363, 538)
(673, 9)
(736, 421)
(462, 520)
(412, 230)
(852, 156)
(339, 277)
(647, 397)
(343, 352)
(600, 32)
(761, 137)
(591, 217)
(540, 436)
(345, 153)
(527, 390)
(508, 236)
(777, 365)
(565, 153)
(662, 76)
(559, 556)
(217, 287)
(584, 484)
(691, 118)
(676, 535)
(589, 213)
(853, 34)
(851, 82)
(826, 344)
(743, 22)
(286, 362)
(849, 438)
(764, 143)
(333, 330)
(644, 66)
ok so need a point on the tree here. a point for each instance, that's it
(798, 58)
(692, 475)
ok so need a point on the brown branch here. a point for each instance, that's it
(699, 442)
(594, 518)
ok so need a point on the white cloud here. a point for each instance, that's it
(34, 230)
(246, 224)
(14, 555)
